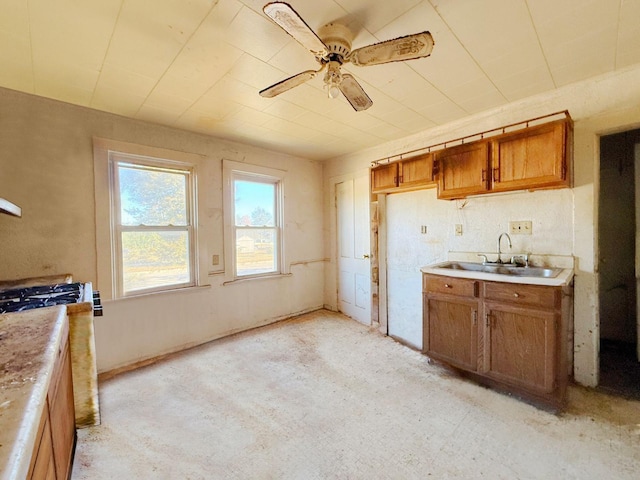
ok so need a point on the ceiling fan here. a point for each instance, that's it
(332, 48)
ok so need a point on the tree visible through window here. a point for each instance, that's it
(154, 227)
(256, 225)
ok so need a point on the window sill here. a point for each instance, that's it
(257, 277)
(192, 288)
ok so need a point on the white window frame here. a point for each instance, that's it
(233, 171)
(106, 246)
(117, 228)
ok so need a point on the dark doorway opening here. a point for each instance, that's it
(617, 230)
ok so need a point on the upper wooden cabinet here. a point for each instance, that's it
(413, 173)
(417, 171)
(463, 170)
(533, 158)
(384, 178)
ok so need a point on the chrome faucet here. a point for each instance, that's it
(500, 238)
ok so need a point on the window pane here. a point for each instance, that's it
(154, 259)
(255, 251)
(254, 203)
(152, 196)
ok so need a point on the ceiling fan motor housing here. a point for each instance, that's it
(338, 40)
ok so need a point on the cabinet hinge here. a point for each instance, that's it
(486, 320)
(474, 316)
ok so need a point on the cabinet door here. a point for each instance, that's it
(450, 331)
(520, 346)
(417, 171)
(463, 170)
(42, 466)
(534, 158)
(384, 178)
(62, 416)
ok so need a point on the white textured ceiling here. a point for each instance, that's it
(199, 64)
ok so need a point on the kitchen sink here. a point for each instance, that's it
(502, 269)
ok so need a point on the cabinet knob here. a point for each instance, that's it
(517, 295)
(446, 285)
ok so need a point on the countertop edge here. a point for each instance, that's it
(18, 459)
(564, 277)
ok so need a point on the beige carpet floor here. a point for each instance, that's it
(323, 397)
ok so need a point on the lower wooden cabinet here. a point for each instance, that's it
(513, 336)
(53, 449)
(452, 334)
(520, 346)
(42, 463)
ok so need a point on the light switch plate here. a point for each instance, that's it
(520, 227)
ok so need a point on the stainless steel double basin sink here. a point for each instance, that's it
(502, 269)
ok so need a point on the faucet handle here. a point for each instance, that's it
(484, 258)
(524, 258)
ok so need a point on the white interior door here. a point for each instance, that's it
(354, 273)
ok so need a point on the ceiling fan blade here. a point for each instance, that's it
(354, 92)
(418, 45)
(286, 17)
(288, 83)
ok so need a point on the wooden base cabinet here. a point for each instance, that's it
(42, 465)
(508, 335)
(452, 335)
(451, 320)
(53, 450)
(520, 347)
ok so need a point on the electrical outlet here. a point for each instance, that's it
(215, 260)
(520, 227)
(458, 229)
(423, 229)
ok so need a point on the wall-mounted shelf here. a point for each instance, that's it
(12, 209)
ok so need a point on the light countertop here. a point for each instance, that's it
(29, 343)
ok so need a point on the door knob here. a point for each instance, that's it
(365, 256)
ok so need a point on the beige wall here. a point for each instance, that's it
(46, 165)
(602, 105)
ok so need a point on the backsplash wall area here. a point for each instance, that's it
(483, 219)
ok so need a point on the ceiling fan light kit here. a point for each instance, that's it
(332, 48)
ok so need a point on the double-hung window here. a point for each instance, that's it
(152, 218)
(255, 220)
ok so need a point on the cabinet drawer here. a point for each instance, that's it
(450, 285)
(535, 295)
